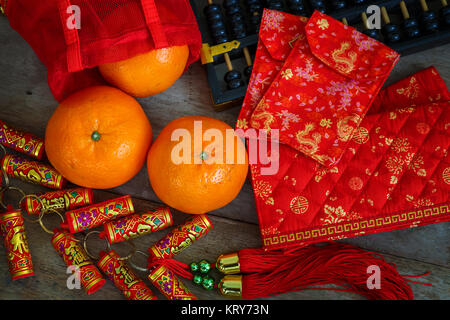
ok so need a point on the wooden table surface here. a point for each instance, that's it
(26, 103)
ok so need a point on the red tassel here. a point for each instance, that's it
(339, 264)
(270, 273)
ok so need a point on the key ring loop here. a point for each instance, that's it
(42, 207)
(108, 246)
(3, 190)
(41, 215)
(136, 266)
(5, 176)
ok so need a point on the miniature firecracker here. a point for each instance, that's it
(135, 225)
(20, 141)
(124, 278)
(97, 214)
(32, 171)
(168, 283)
(58, 200)
(73, 253)
(17, 251)
(181, 237)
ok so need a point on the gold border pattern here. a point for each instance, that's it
(409, 218)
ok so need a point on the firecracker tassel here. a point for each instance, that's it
(255, 273)
(15, 241)
(123, 277)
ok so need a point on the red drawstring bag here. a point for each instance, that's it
(73, 37)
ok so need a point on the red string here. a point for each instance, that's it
(342, 265)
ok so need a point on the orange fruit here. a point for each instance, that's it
(149, 73)
(184, 165)
(98, 137)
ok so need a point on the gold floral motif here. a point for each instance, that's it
(416, 165)
(263, 190)
(242, 123)
(411, 91)
(323, 24)
(326, 123)
(320, 173)
(337, 214)
(287, 74)
(343, 63)
(307, 145)
(401, 145)
(299, 205)
(395, 164)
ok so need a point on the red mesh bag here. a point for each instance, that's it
(107, 31)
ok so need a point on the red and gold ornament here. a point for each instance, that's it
(73, 254)
(97, 214)
(181, 237)
(32, 171)
(58, 200)
(21, 141)
(168, 283)
(123, 277)
(135, 225)
(16, 245)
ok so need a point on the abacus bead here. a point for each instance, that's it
(211, 9)
(230, 3)
(446, 19)
(219, 32)
(198, 279)
(429, 21)
(239, 34)
(233, 10)
(204, 266)
(217, 24)
(275, 5)
(194, 267)
(373, 33)
(221, 39)
(388, 28)
(445, 14)
(358, 1)
(409, 23)
(248, 71)
(338, 4)
(232, 75)
(235, 83)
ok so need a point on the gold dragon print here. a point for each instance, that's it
(344, 129)
(344, 63)
(260, 114)
(308, 146)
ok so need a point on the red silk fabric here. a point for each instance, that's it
(394, 171)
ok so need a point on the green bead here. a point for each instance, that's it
(198, 279)
(204, 266)
(208, 283)
(194, 267)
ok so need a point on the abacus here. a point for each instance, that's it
(230, 29)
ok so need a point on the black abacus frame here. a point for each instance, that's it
(223, 98)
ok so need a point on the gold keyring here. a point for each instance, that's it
(133, 251)
(134, 265)
(3, 190)
(108, 246)
(42, 207)
(42, 214)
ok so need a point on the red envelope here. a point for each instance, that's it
(324, 88)
(305, 202)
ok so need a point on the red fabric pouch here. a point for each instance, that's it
(394, 172)
(73, 37)
(325, 87)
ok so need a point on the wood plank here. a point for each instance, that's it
(226, 236)
(26, 102)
